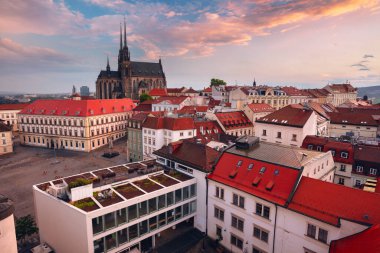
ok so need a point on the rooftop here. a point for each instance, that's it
(260, 107)
(187, 152)
(78, 108)
(158, 92)
(287, 156)
(169, 123)
(367, 153)
(352, 118)
(323, 201)
(113, 185)
(233, 120)
(292, 115)
(174, 100)
(365, 241)
(265, 180)
(12, 106)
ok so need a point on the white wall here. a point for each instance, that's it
(8, 243)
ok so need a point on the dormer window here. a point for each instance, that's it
(310, 147)
(344, 154)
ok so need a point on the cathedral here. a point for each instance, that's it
(132, 78)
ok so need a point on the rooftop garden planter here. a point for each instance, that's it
(178, 175)
(86, 204)
(79, 182)
(128, 191)
(43, 186)
(147, 185)
(105, 199)
(164, 180)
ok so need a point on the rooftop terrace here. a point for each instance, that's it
(112, 185)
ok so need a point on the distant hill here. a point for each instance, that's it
(371, 92)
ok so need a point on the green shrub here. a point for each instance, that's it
(79, 182)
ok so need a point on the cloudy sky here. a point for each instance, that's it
(48, 46)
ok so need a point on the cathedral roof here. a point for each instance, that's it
(113, 74)
(146, 69)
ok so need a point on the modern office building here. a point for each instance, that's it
(113, 209)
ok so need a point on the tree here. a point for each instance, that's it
(25, 226)
(217, 82)
(144, 97)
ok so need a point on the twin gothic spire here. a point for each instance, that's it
(125, 36)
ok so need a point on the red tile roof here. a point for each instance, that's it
(192, 109)
(292, 115)
(366, 241)
(261, 107)
(233, 120)
(352, 118)
(175, 100)
(158, 92)
(342, 88)
(327, 144)
(173, 124)
(242, 178)
(208, 131)
(292, 91)
(12, 106)
(175, 90)
(208, 89)
(78, 108)
(189, 153)
(329, 202)
(367, 153)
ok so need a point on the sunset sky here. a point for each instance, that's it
(47, 46)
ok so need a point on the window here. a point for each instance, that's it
(343, 167)
(219, 213)
(278, 135)
(238, 200)
(322, 235)
(358, 183)
(310, 147)
(260, 234)
(294, 137)
(372, 171)
(190, 133)
(236, 241)
(311, 230)
(359, 168)
(344, 154)
(264, 132)
(181, 134)
(262, 210)
(341, 181)
(219, 192)
(237, 223)
(256, 250)
(319, 148)
(219, 232)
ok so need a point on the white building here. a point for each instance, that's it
(341, 93)
(232, 122)
(113, 209)
(195, 160)
(6, 141)
(169, 104)
(8, 113)
(8, 241)
(288, 126)
(160, 131)
(261, 199)
(80, 125)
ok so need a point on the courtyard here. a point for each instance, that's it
(27, 166)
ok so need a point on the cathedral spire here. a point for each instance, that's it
(125, 34)
(121, 35)
(254, 82)
(108, 64)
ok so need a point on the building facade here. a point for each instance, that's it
(132, 78)
(366, 164)
(169, 104)
(6, 139)
(160, 131)
(288, 126)
(232, 122)
(341, 93)
(8, 113)
(135, 137)
(80, 125)
(116, 209)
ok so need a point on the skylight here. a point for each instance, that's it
(240, 162)
(262, 170)
(250, 166)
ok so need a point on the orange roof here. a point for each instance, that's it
(192, 109)
(78, 108)
(261, 107)
(208, 89)
(292, 115)
(158, 92)
(329, 202)
(176, 100)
